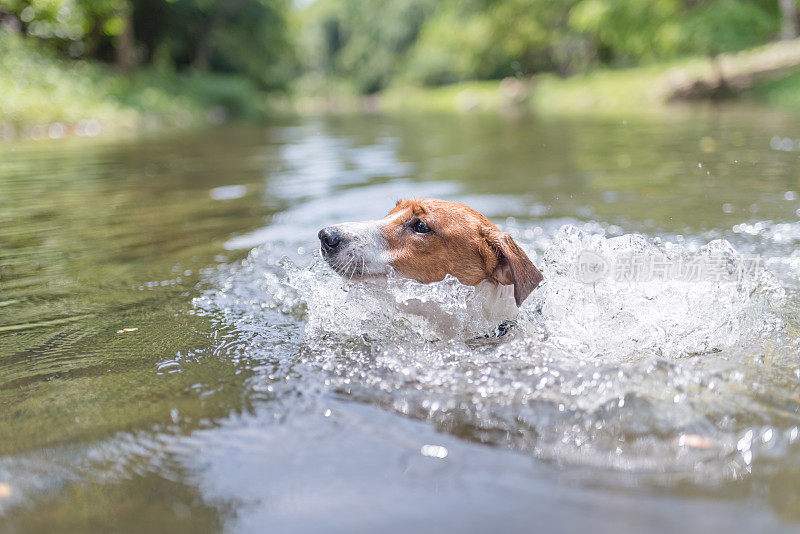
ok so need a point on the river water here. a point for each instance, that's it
(174, 356)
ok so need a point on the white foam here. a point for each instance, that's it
(608, 320)
(593, 374)
(664, 315)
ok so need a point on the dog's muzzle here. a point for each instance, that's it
(354, 250)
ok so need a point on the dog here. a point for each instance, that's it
(427, 239)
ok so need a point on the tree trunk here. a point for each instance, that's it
(788, 19)
(124, 43)
(722, 89)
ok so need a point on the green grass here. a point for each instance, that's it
(606, 91)
(38, 90)
(603, 91)
(784, 92)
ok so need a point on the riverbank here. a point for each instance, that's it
(768, 74)
(45, 97)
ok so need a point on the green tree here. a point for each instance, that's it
(80, 28)
(364, 42)
(640, 30)
(490, 39)
(248, 37)
(235, 36)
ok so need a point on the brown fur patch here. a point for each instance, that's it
(462, 242)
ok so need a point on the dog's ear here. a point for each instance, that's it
(513, 265)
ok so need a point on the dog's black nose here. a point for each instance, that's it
(329, 238)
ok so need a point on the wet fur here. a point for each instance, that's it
(462, 243)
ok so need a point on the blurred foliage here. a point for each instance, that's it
(363, 42)
(38, 88)
(245, 37)
(358, 46)
(369, 45)
(249, 37)
(79, 27)
(486, 40)
(635, 30)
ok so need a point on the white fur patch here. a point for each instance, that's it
(496, 301)
(365, 245)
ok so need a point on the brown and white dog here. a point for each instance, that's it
(427, 239)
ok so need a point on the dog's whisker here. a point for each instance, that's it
(352, 269)
(346, 268)
(341, 266)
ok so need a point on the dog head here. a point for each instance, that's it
(427, 239)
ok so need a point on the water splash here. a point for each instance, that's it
(392, 309)
(618, 318)
(655, 377)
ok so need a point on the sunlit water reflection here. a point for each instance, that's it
(309, 392)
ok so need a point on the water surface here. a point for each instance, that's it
(174, 356)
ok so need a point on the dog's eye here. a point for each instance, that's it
(420, 227)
